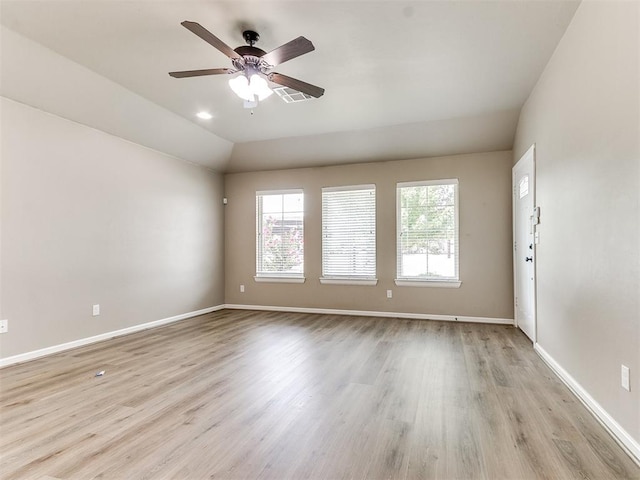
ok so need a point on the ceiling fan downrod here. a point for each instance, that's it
(250, 37)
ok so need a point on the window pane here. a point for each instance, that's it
(524, 186)
(272, 203)
(349, 232)
(280, 234)
(428, 231)
(292, 202)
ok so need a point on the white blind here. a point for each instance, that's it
(280, 233)
(428, 230)
(349, 232)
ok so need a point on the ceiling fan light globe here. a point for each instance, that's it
(259, 87)
(240, 86)
(265, 94)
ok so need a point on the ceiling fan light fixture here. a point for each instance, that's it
(250, 103)
(250, 86)
(259, 87)
(240, 86)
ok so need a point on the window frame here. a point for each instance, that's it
(409, 281)
(350, 279)
(275, 277)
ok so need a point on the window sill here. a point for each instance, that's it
(348, 281)
(267, 279)
(428, 283)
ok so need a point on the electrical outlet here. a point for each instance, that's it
(96, 310)
(389, 294)
(241, 288)
(4, 326)
(624, 377)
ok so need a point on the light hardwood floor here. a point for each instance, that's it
(238, 394)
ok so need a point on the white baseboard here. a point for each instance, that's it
(23, 357)
(626, 441)
(367, 313)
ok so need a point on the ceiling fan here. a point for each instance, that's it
(255, 65)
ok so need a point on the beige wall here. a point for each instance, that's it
(89, 218)
(485, 238)
(583, 118)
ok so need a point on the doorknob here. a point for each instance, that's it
(528, 259)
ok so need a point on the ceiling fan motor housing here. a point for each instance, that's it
(250, 61)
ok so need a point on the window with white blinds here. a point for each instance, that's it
(427, 222)
(349, 234)
(280, 234)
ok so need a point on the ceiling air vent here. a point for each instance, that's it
(289, 95)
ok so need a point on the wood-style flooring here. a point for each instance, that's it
(239, 394)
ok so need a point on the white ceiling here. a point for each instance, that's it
(423, 76)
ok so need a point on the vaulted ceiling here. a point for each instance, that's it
(402, 79)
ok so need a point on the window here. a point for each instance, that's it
(349, 235)
(524, 186)
(427, 244)
(280, 236)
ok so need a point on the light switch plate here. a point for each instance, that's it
(96, 310)
(4, 326)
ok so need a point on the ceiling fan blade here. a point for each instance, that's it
(289, 50)
(296, 84)
(199, 73)
(210, 38)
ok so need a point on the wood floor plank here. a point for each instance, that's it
(268, 395)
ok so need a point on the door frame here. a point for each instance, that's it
(532, 152)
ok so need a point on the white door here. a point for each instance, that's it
(524, 248)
